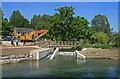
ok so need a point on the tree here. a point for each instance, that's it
(80, 27)
(17, 20)
(115, 39)
(100, 38)
(7, 29)
(100, 24)
(40, 22)
(1, 17)
(61, 23)
(66, 27)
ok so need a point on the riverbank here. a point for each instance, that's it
(98, 53)
(21, 53)
(18, 50)
(17, 54)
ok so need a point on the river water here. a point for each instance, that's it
(62, 66)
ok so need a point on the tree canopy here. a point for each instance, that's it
(17, 20)
(100, 24)
(7, 29)
(66, 27)
(40, 22)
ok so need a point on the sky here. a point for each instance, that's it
(83, 9)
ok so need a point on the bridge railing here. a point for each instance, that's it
(60, 44)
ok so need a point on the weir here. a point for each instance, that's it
(54, 53)
(39, 54)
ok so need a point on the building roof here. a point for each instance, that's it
(21, 30)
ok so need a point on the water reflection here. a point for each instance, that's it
(79, 61)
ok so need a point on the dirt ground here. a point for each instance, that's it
(100, 53)
(17, 50)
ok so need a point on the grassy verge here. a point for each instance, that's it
(103, 46)
(81, 46)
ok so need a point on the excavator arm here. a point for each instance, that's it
(44, 32)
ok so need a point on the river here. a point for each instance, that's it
(62, 66)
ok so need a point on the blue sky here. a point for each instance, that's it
(83, 9)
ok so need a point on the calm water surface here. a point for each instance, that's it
(62, 66)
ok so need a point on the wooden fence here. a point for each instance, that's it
(60, 44)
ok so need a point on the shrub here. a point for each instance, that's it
(103, 46)
(100, 38)
(79, 47)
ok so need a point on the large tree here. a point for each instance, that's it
(100, 24)
(61, 23)
(66, 27)
(17, 20)
(40, 22)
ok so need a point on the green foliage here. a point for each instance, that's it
(103, 46)
(7, 29)
(100, 38)
(17, 20)
(79, 47)
(40, 22)
(100, 24)
(1, 17)
(67, 50)
(66, 27)
(93, 52)
(115, 40)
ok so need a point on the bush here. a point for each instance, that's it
(103, 46)
(79, 47)
(100, 38)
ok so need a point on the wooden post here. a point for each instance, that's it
(65, 43)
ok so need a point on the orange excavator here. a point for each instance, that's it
(32, 35)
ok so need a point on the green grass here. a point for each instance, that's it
(93, 52)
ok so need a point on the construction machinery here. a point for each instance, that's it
(33, 36)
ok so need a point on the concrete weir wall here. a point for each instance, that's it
(39, 54)
(33, 55)
(74, 54)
